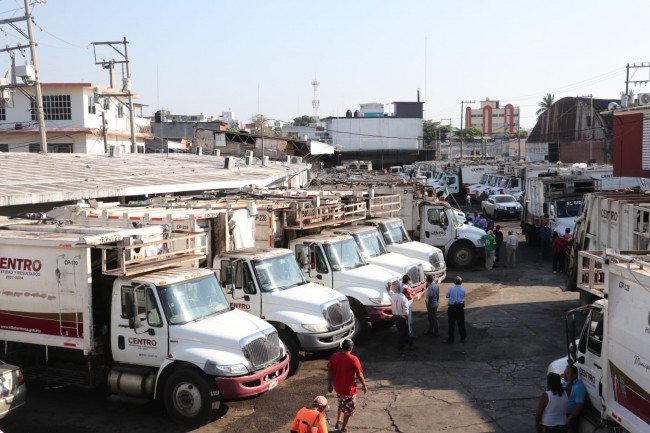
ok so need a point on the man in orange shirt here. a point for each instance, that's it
(311, 419)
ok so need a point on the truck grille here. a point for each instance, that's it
(339, 313)
(414, 274)
(435, 262)
(263, 349)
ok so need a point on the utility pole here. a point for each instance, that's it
(105, 133)
(28, 79)
(462, 113)
(126, 85)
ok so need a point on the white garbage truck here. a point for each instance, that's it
(608, 341)
(132, 308)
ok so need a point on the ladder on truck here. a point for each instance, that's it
(70, 316)
(126, 256)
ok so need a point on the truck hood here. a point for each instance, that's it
(223, 330)
(307, 298)
(394, 262)
(420, 251)
(563, 223)
(470, 232)
(371, 276)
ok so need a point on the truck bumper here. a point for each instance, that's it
(439, 275)
(418, 291)
(232, 388)
(379, 314)
(326, 340)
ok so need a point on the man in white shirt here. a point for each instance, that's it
(511, 249)
(399, 304)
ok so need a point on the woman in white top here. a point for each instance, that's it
(550, 416)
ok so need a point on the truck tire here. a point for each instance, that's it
(296, 357)
(462, 255)
(362, 328)
(191, 398)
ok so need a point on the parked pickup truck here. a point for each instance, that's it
(501, 206)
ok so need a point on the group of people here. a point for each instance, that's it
(343, 372)
(560, 246)
(402, 307)
(559, 407)
(493, 240)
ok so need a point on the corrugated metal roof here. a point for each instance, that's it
(31, 178)
(566, 120)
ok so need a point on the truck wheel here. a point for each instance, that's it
(362, 328)
(191, 398)
(293, 347)
(462, 255)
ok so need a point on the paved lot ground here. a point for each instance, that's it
(515, 323)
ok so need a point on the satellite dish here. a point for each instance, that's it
(613, 106)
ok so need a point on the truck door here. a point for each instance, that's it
(589, 347)
(240, 287)
(437, 229)
(139, 332)
(316, 269)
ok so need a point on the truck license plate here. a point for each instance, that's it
(273, 384)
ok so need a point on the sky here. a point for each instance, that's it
(248, 56)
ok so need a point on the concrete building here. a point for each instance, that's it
(493, 119)
(73, 120)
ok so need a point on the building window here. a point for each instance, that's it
(120, 110)
(3, 113)
(34, 148)
(4, 148)
(59, 148)
(55, 107)
(91, 105)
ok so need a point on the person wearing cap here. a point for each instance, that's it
(490, 243)
(511, 249)
(343, 369)
(498, 237)
(456, 311)
(311, 419)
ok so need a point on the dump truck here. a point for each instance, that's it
(608, 341)
(132, 308)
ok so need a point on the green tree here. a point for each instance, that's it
(523, 134)
(471, 133)
(430, 130)
(546, 103)
(303, 120)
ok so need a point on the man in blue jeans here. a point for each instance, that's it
(577, 393)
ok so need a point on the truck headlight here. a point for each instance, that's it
(315, 328)
(231, 370)
(380, 301)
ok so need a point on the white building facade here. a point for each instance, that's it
(73, 120)
(350, 134)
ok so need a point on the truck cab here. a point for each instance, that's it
(335, 262)
(267, 282)
(398, 241)
(371, 244)
(439, 226)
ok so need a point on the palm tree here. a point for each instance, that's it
(546, 103)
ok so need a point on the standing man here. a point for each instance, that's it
(476, 218)
(406, 289)
(343, 369)
(545, 233)
(490, 243)
(468, 201)
(498, 237)
(432, 300)
(577, 393)
(309, 418)
(511, 249)
(399, 304)
(456, 311)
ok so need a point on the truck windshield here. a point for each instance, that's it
(192, 300)
(484, 179)
(370, 244)
(278, 273)
(493, 180)
(568, 208)
(344, 255)
(394, 233)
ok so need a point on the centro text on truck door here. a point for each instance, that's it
(437, 229)
(140, 333)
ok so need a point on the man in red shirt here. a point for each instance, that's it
(342, 372)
